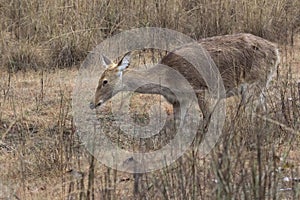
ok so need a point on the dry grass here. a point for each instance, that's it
(41, 41)
(64, 31)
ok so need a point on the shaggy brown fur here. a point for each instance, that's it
(240, 58)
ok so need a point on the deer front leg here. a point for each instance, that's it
(176, 114)
(204, 107)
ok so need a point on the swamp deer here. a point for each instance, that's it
(246, 64)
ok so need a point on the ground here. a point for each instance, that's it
(36, 118)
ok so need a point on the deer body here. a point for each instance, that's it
(242, 59)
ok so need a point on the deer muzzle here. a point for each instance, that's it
(93, 105)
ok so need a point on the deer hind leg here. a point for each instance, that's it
(254, 99)
(259, 89)
(263, 91)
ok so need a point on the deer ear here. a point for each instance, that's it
(124, 63)
(106, 61)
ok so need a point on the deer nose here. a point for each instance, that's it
(93, 106)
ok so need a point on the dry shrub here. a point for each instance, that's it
(23, 57)
(65, 56)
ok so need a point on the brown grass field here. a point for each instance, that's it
(43, 44)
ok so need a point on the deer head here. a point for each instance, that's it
(112, 74)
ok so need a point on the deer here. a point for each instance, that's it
(247, 64)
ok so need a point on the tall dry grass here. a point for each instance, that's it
(41, 155)
(60, 33)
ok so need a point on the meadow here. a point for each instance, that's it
(43, 44)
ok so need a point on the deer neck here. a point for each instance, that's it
(138, 81)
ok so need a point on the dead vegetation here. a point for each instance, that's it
(42, 46)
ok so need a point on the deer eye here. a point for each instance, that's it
(104, 82)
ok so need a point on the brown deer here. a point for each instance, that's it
(246, 64)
